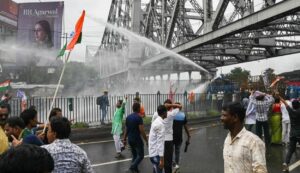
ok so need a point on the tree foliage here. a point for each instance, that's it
(239, 76)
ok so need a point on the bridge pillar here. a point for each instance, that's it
(136, 48)
(190, 76)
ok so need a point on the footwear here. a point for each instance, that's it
(285, 167)
(118, 155)
(176, 169)
(122, 148)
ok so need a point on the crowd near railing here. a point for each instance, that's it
(84, 108)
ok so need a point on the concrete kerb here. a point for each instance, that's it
(104, 131)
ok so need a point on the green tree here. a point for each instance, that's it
(239, 76)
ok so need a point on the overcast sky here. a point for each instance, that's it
(93, 31)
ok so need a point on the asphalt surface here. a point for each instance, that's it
(204, 154)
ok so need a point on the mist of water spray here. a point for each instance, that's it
(132, 35)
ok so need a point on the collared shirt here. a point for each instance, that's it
(168, 122)
(133, 121)
(157, 138)
(250, 114)
(262, 107)
(117, 120)
(68, 157)
(3, 141)
(285, 113)
(245, 153)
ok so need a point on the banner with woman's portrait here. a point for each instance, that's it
(40, 24)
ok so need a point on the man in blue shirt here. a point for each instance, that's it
(134, 130)
(180, 121)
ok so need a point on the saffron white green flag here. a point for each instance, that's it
(4, 85)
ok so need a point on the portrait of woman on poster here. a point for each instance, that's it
(43, 35)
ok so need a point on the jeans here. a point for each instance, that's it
(177, 147)
(168, 155)
(137, 151)
(263, 125)
(103, 114)
(292, 148)
(155, 161)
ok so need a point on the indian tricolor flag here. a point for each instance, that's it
(77, 36)
(4, 85)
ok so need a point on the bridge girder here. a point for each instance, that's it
(248, 34)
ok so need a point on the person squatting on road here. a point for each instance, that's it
(243, 151)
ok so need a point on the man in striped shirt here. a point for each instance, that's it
(243, 152)
(262, 102)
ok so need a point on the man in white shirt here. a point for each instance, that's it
(250, 116)
(243, 151)
(157, 139)
(173, 109)
(286, 125)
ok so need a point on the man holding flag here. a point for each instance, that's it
(21, 94)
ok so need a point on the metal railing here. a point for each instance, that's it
(84, 109)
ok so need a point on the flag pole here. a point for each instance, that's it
(56, 90)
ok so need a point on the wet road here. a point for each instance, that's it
(204, 154)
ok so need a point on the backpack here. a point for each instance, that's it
(98, 101)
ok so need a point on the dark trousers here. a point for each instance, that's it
(292, 148)
(137, 151)
(177, 147)
(155, 162)
(250, 127)
(263, 125)
(168, 156)
(103, 114)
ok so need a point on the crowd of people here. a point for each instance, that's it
(27, 146)
(24, 141)
(276, 120)
(23, 137)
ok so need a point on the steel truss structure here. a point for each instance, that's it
(210, 34)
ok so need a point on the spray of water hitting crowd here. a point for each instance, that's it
(116, 61)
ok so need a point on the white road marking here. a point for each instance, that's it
(294, 165)
(95, 142)
(113, 162)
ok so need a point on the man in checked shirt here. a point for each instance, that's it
(262, 103)
(243, 152)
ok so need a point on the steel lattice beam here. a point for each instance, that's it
(217, 40)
